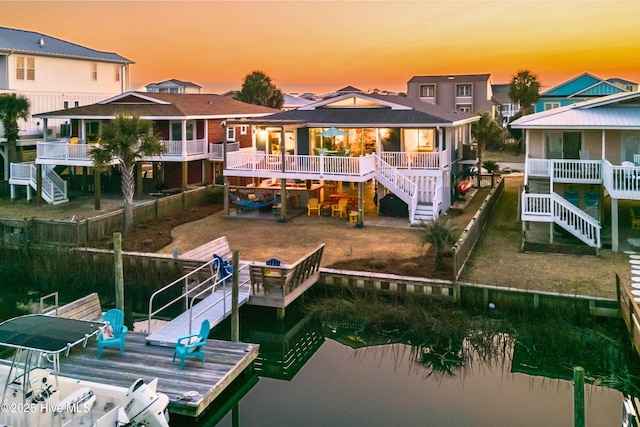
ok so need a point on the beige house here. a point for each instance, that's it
(582, 172)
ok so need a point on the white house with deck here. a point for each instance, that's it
(410, 148)
(54, 74)
(579, 159)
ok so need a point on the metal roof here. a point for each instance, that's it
(32, 43)
(619, 111)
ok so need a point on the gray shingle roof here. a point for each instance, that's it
(29, 42)
(418, 114)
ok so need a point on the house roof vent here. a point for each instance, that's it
(41, 42)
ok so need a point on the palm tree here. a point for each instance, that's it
(127, 140)
(12, 108)
(525, 90)
(486, 132)
(441, 234)
(257, 89)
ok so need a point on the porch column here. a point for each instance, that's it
(97, 194)
(283, 181)
(614, 225)
(526, 157)
(224, 166)
(360, 222)
(603, 146)
(185, 175)
(208, 173)
(184, 139)
(82, 134)
(38, 184)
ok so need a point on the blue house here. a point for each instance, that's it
(581, 88)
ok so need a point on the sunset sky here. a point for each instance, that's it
(321, 46)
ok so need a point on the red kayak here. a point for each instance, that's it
(464, 187)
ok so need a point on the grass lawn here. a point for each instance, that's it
(497, 259)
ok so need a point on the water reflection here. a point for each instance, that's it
(338, 373)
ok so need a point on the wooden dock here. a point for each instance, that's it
(225, 361)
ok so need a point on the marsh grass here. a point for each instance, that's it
(75, 274)
(446, 339)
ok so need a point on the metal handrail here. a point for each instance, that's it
(164, 288)
(224, 295)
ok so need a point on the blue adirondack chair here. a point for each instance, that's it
(191, 345)
(224, 268)
(114, 332)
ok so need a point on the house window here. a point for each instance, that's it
(463, 90)
(92, 130)
(231, 134)
(76, 104)
(243, 130)
(176, 131)
(66, 104)
(25, 68)
(94, 71)
(427, 91)
(116, 69)
(464, 108)
(563, 145)
(551, 105)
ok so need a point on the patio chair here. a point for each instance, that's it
(635, 222)
(223, 268)
(114, 331)
(340, 209)
(191, 345)
(313, 206)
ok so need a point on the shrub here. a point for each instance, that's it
(214, 195)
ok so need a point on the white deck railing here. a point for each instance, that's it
(25, 174)
(413, 160)
(216, 151)
(63, 151)
(320, 166)
(402, 186)
(553, 208)
(194, 147)
(621, 182)
(574, 171)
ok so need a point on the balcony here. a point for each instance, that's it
(65, 153)
(621, 182)
(260, 164)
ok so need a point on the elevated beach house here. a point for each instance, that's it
(407, 147)
(189, 126)
(53, 74)
(581, 88)
(582, 172)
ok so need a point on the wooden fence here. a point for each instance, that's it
(78, 233)
(630, 311)
(470, 235)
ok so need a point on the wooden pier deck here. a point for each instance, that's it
(225, 361)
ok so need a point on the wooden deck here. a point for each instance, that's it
(225, 361)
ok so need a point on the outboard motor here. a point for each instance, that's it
(142, 405)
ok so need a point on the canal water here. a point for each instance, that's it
(315, 372)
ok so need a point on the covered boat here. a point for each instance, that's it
(35, 395)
